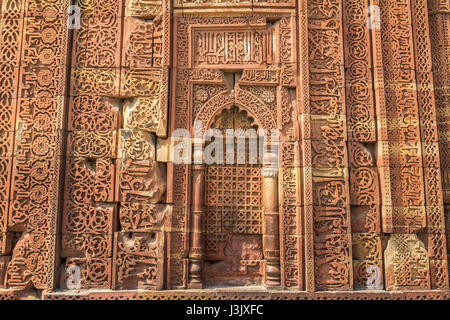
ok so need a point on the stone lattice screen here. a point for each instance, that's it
(358, 91)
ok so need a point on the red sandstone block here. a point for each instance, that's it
(138, 43)
(88, 218)
(366, 218)
(39, 114)
(136, 144)
(177, 273)
(436, 245)
(408, 220)
(86, 244)
(367, 246)
(38, 144)
(26, 216)
(47, 50)
(328, 159)
(170, 167)
(324, 60)
(32, 173)
(142, 10)
(292, 276)
(290, 154)
(105, 189)
(79, 180)
(291, 219)
(325, 262)
(140, 82)
(32, 192)
(12, 23)
(439, 276)
(138, 261)
(95, 273)
(141, 181)
(91, 180)
(95, 82)
(45, 10)
(144, 217)
(39, 81)
(8, 109)
(97, 44)
(361, 154)
(25, 269)
(102, 9)
(5, 177)
(10, 68)
(6, 143)
(440, 32)
(407, 186)
(94, 113)
(92, 144)
(364, 186)
(330, 192)
(289, 193)
(399, 132)
(328, 256)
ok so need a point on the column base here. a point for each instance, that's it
(194, 285)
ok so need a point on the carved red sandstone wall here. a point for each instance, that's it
(357, 203)
(34, 42)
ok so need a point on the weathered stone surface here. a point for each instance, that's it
(138, 261)
(407, 263)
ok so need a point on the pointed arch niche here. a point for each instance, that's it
(234, 236)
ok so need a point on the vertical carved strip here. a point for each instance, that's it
(435, 233)
(439, 24)
(364, 189)
(11, 28)
(178, 244)
(383, 157)
(408, 197)
(303, 94)
(289, 178)
(403, 118)
(366, 227)
(329, 153)
(92, 166)
(38, 148)
(143, 176)
(358, 73)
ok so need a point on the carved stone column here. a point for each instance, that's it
(197, 211)
(271, 238)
